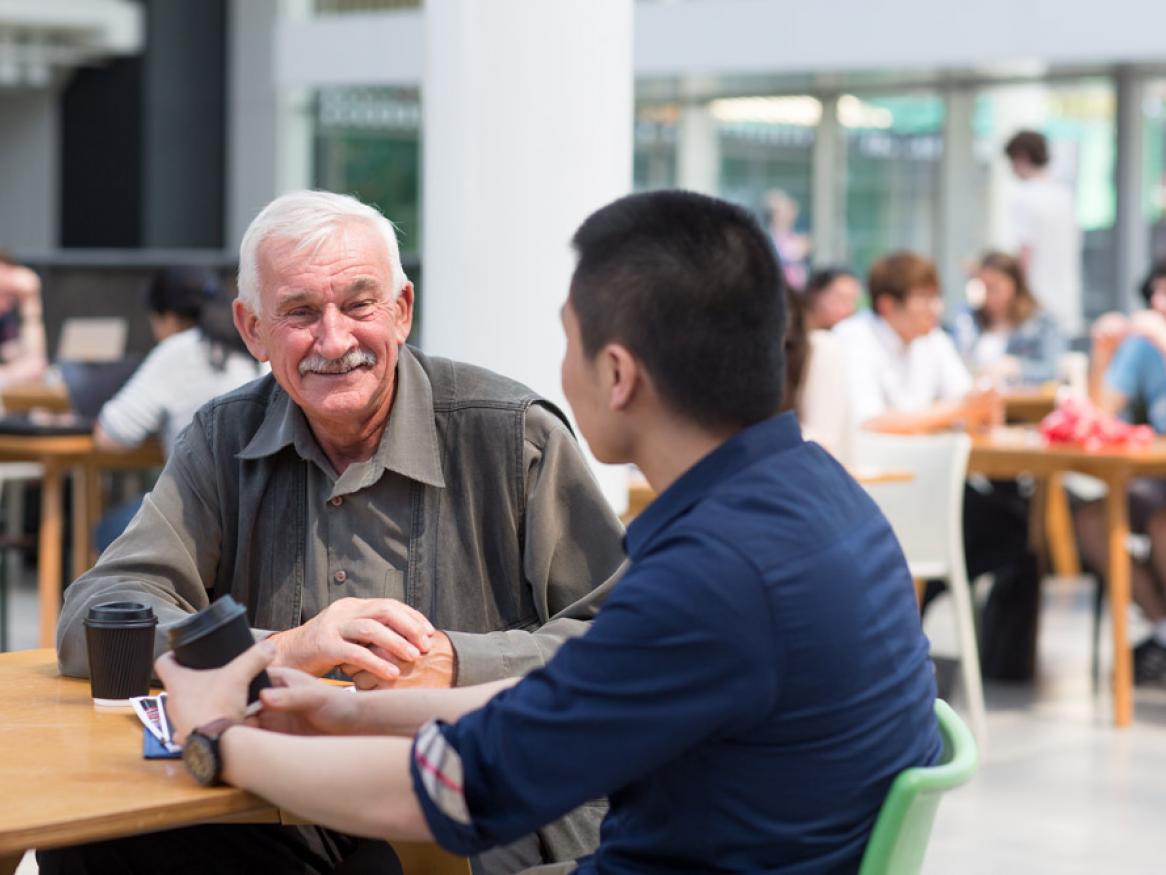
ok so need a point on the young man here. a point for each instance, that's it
(1042, 230)
(1128, 377)
(905, 377)
(751, 686)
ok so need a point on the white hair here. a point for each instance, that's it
(310, 218)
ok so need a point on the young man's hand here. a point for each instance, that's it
(1108, 332)
(195, 697)
(982, 408)
(299, 704)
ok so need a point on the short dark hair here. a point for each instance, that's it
(1030, 145)
(898, 274)
(182, 291)
(822, 278)
(692, 286)
(1157, 272)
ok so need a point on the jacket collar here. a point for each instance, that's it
(408, 447)
(746, 447)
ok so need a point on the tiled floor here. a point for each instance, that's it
(1059, 789)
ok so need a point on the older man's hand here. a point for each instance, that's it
(376, 636)
(436, 668)
(195, 697)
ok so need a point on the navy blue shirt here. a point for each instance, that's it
(745, 697)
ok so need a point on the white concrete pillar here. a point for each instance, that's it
(269, 125)
(958, 238)
(828, 188)
(527, 128)
(698, 150)
(1131, 236)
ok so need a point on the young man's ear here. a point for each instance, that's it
(623, 375)
(883, 305)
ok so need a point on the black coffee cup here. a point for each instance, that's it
(120, 639)
(213, 637)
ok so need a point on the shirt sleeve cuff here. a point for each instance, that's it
(491, 656)
(438, 782)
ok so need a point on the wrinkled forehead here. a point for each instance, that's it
(350, 247)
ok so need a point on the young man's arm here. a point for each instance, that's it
(977, 408)
(618, 707)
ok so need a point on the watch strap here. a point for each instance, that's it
(216, 728)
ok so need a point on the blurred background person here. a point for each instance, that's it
(199, 355)
(831, 295)
(793, 248)
(1009, 338)
(1042, 230)
(1128, 379)
(815, 374)
(22, 330)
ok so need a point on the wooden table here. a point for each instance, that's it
(70, 773)
(1029, 403)
(60, 455)
(1010, 452)
(23, 397)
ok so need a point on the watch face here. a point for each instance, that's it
(200, 758)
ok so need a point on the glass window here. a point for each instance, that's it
(893, 148)
(766, 147)
(367, 144)
(1154, 191)
(1078, 118)
(654, 149)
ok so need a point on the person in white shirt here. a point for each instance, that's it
(1042, 230)
(188, 367)
(815, 372)
(904, 376)
(831, 295)
(193, 362)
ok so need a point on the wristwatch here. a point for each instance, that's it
(200, 753)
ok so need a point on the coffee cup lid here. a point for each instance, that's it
(210, 618)
(120, 612)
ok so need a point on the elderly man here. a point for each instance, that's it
(409, 520)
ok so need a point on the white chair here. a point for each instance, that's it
(927, 516)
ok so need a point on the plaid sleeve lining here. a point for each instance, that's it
(442, 777)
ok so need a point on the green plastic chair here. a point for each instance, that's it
(899, 838)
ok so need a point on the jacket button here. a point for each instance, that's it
(336, 502)
(340, 576)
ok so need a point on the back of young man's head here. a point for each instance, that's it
(692, 287)
(1030, 146)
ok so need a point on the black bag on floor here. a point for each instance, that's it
(1008, 627)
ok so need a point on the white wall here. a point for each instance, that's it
(725, 37)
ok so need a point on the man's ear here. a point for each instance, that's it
(883, 305)
(623, 375)
(247, 324)
(403, 308)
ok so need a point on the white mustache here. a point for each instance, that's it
(354, 358)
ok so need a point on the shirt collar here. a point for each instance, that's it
(758, 441)
(408, 447)
(888, 337)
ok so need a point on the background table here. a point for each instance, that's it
(1007, 453)
(70, 773)
(60, 455)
